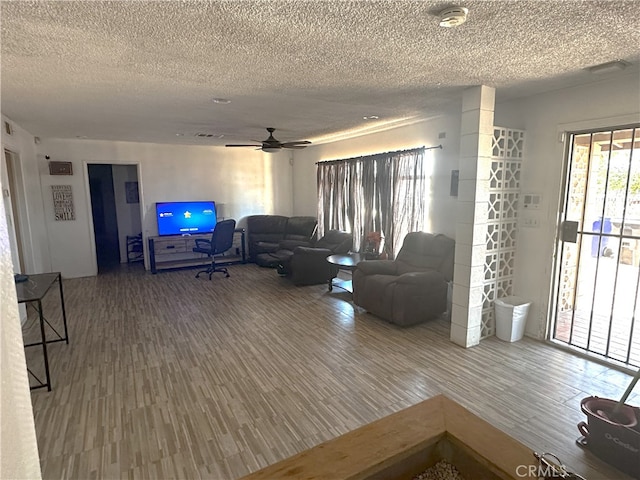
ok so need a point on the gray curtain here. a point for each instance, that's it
(377, 193)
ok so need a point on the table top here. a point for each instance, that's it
(36, 287)
(346, 260)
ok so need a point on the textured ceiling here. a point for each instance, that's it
(146, 71)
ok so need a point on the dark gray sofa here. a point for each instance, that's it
(266, 234)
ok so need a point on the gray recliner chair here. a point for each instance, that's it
(412, 288)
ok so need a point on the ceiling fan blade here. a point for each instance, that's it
(299, 144)
(239, 145)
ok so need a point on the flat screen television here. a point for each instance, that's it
(185, 218)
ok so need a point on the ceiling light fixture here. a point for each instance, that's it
(222, 101)
(614, 66)
(371, 117)
(271, 149)
(453, 16)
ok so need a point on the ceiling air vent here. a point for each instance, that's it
(209, 135)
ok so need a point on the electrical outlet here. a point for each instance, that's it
(530, 222)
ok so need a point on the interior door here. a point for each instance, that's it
(596, 302)
(10, 196)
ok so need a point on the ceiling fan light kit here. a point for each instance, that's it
(453, 16)
(271, 145)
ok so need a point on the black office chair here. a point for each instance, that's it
(221, 241)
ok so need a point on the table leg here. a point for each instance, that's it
(43, 334)
(64, 312)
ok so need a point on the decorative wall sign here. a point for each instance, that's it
(63, 202)
(60, 168)
(131, 191)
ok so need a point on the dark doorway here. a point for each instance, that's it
(105, 221)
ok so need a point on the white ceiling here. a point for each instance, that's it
(146, 71)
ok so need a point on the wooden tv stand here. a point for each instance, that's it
(173, 252)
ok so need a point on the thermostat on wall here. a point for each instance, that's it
(60, 168)
(531, 201)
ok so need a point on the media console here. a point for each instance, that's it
(177, 252)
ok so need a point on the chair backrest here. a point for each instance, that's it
(336, 241)
(301, 228)
(222, 236)
(264, 228)
(424, 251)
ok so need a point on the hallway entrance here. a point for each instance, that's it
(115, 209)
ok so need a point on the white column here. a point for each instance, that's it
(476, 135)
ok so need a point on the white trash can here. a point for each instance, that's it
(511, 318)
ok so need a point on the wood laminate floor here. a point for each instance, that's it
(169, 376)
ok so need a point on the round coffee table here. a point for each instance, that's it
(344, 261)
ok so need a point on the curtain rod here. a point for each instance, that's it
(378, 154)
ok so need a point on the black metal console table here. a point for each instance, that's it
(31, 292)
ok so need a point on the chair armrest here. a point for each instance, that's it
(202, 243)
(373, 267)
(421, 278)
(312, 251)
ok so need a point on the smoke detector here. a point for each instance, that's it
(453, 16)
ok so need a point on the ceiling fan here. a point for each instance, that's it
(271, 145)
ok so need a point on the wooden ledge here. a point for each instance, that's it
(406, 443)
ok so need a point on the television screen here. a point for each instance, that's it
(185, 218)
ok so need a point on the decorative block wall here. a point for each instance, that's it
(502, 221)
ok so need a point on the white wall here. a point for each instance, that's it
(543, 117)
(246, 181)
(442, 206)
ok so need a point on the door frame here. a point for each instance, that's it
(92, 232)
(564, 132)
(14, 191)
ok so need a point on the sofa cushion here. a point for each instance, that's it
(301, 229)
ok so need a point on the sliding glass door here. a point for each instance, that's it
(597, 302)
